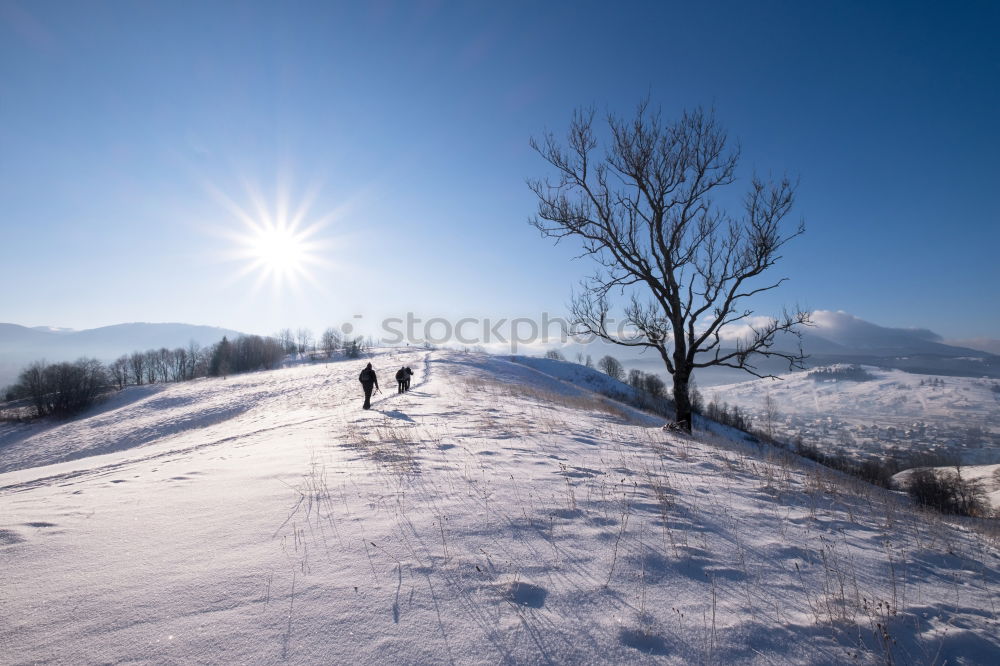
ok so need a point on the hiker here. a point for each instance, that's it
(406, 380)
(401, 379)
(368, 381)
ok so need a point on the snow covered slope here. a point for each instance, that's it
(495, 513)
(890, 409)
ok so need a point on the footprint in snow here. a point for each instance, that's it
(526, 594)
(643, 642)
(10, 537)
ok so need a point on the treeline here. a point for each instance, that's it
(844, 373)
(245, 353)
(725, 414)
(63, 389)
(656, 396)
(651, 393)
(330, 341)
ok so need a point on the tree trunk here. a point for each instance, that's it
(682, 398)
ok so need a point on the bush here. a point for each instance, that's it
(554, 355)
(948, 492)
(61, 389)
(352, 348)
(876, 471)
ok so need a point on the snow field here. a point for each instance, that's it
(495, 513)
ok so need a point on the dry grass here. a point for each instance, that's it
(580, 401)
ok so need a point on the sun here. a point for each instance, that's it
(276, 242)
(279, 250)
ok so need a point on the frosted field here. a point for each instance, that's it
(893, 396)
(945, 407)
(494, 514)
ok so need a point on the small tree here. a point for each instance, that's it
(697, 401)
(330, 341)
(194, 356)
(554, 355)
(771, 415)
(610, 366)
(653, 385)
(646, 212)
(151, 365)
(636, 379)
(118, 372)
(221, 358)
(304, 338)
(352, 348)
(286, 339)
(137, 366)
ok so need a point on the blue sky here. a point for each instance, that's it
(121, 124)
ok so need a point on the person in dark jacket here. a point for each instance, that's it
(406, 379)
(401, 379)
(368, 381)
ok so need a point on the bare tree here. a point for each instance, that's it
(179, 363)
(194, 354)
(137, 366)
(151, 365)
(118, 372)
(612, 367)
(645, 212)
(287, 340)
(330, 341)
(164, 361)
(653, 385)
(771, 415)
(304, 337)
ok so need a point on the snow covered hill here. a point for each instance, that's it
(498, 512)
(878, 410)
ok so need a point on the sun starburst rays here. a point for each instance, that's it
(280, 246)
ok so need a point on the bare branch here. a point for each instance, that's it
(644, 212)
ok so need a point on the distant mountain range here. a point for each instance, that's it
(21, 345)
(835, 337)
(839, 337)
